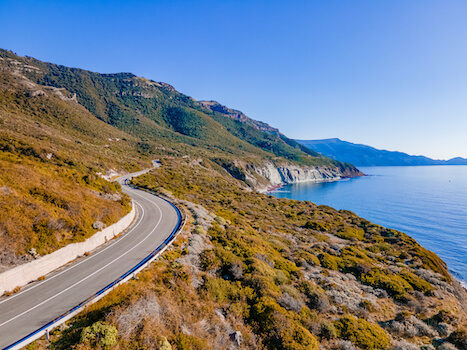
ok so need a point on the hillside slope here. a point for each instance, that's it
(256, 272)
(61, 127)
(169, 122)
(362, 155)
(51, 150)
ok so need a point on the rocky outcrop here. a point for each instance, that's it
(268, 175)
(238, 116)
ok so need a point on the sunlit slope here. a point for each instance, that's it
(51, 151)
(163, 117)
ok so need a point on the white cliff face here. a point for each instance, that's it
(296, 174)
(290, 173)
(267, 176)
(270, 172)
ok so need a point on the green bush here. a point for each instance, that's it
(220, 220)
(416, 282)
(288, 267)
(393, 284)
(164, 344)
(188, 342)
(351, 232)
(307, 257)
(199, 230)
(329, 261)
(318, 226)
(366, 335)
(328, 330)
(223, 291)
(99, 334)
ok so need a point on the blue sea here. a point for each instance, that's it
(429, 203)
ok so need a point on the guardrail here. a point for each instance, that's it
(104, 291)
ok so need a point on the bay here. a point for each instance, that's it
(429, 203)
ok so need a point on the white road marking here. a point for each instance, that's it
(95, 272)
(79, 263)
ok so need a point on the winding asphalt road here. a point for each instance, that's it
(41, 302)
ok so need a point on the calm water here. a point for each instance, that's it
(427, 202)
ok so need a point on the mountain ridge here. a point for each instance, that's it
(363, 155)
(169, 122)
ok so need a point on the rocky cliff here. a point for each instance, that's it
(269, 175)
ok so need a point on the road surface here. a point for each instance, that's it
(40, 302)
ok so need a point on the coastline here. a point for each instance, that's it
(273, 188)
(397, 198)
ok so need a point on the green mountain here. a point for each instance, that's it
(81, 123)
(362, 155)
(169, 122)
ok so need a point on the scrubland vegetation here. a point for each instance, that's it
(62, 127)
(286, 274)
(51, 152)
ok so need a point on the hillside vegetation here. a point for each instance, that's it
(165, 119)
(51, 151)
(250, 271)
(285, 274)
(61, 127)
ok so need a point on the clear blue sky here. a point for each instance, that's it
(390, 74)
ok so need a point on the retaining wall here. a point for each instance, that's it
(31, 271)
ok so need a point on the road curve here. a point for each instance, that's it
(40, 302)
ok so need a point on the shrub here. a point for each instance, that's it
(286, 333)
(307, 257)
(164, 344)
(329, 261)
(220, 220)
(393, 284)
(416, 282)
(328, 331)
(199, 230)
(317, 299)
(99, 334)
(224, 291)
(350, 233)
(362, 333)
(433, 262)
(318, 226)
(289, 268)
(459, 338)
(209, 260)
(188, 342)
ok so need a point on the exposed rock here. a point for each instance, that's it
(290, 303)
(447, 346)
(197, 243)
(444, 329)
(274, 175)
(404, 345)
(236, 338)
(99, 225)
(33, 253)
(238, 116)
